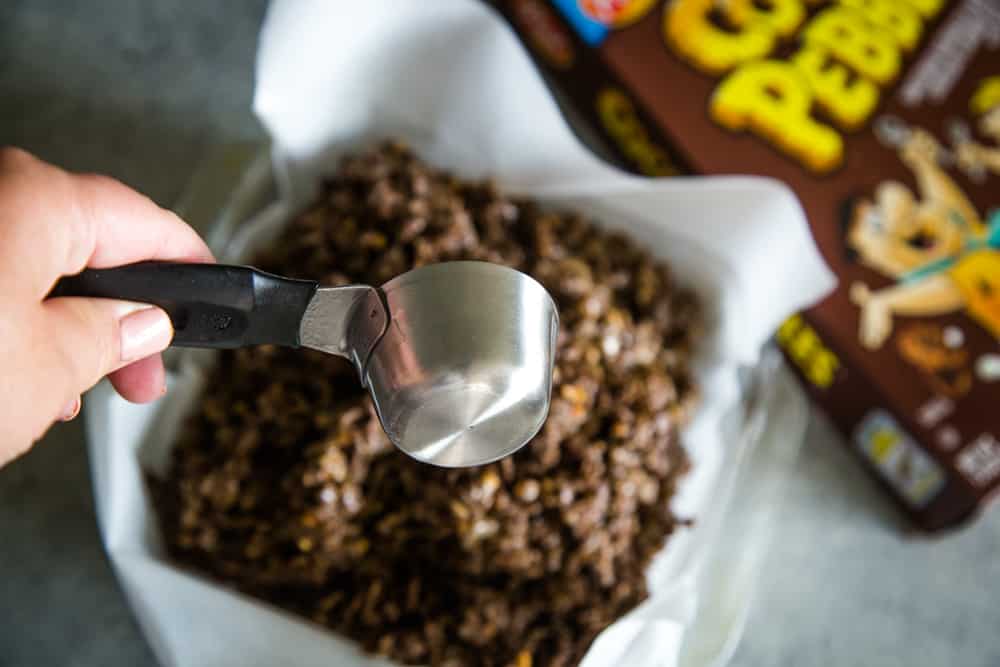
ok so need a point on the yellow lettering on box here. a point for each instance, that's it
(789, 328)
(850, 104)
(687, 28)
(622, 122)
(986, 97)
(823, 369)
(897, 16)
(866, 48)
(927, 8)
(784, 16)
(773, 99)
(817, 362)
(805, 345)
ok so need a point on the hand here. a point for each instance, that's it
(859, 293)
(920, 148)
(970, 156)
(53, 224)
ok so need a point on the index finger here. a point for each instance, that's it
(66, 222)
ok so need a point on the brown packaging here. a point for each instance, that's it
(884, 118)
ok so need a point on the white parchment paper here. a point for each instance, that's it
(450, 78)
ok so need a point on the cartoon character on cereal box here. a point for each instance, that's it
(616, 13)
(942, 254)
(974, 158)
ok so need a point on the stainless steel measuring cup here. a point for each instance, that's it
(457, 356)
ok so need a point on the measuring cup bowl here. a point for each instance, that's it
(463, 374)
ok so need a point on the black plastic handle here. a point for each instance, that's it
(210, 305)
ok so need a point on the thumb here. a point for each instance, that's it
(90, 338)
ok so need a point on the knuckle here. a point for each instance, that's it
(12, 157)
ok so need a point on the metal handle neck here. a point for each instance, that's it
(346, 321)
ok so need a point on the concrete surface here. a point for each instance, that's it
(137, 90)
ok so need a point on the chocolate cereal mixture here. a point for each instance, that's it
(284, 485)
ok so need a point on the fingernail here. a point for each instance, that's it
(145, 332)
(123, 308)
(70, 411)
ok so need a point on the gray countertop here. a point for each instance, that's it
(137, 90)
